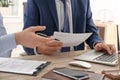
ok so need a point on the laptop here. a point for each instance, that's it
(101, 57)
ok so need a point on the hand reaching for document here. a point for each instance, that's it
(28, 38)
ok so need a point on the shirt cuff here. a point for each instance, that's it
(35, 51)
(8, 42)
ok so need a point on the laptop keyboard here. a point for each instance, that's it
(107, 58)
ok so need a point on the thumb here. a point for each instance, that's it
(37, 28)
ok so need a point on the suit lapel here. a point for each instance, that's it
(52, 6)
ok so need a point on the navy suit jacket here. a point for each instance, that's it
(43, 12)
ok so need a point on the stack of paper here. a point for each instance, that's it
(30, 67)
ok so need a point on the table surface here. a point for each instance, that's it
(57, 60)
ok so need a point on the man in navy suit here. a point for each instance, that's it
(50, 13)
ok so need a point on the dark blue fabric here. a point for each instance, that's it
(44, 13)
(65, 49)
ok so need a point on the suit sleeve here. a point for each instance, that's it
(31, 18)
(91, 27)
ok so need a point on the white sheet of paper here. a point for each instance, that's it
(70, 39)
(19, 66)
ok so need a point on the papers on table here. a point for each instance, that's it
(70, 39)
(29, 67)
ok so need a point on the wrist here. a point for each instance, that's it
(17, 38)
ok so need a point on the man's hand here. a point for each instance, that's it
(110, 49)
(49, 47)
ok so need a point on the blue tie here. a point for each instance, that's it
(66, 19)
(65, 25)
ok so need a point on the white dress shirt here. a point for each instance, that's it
(60, 14)
(7, 42)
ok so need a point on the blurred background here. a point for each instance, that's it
(13, 11)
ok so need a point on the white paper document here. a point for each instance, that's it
(70, 39)
(21, 66)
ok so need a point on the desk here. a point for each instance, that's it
(58, 60)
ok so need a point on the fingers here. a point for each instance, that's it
(107, 48)
(43, 39)
(53, 46)
(110, 49)
(54, 43)
(50, 50)
(49, 47)
(50, 41)
(37, 28)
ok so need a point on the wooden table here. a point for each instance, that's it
(57, 60)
